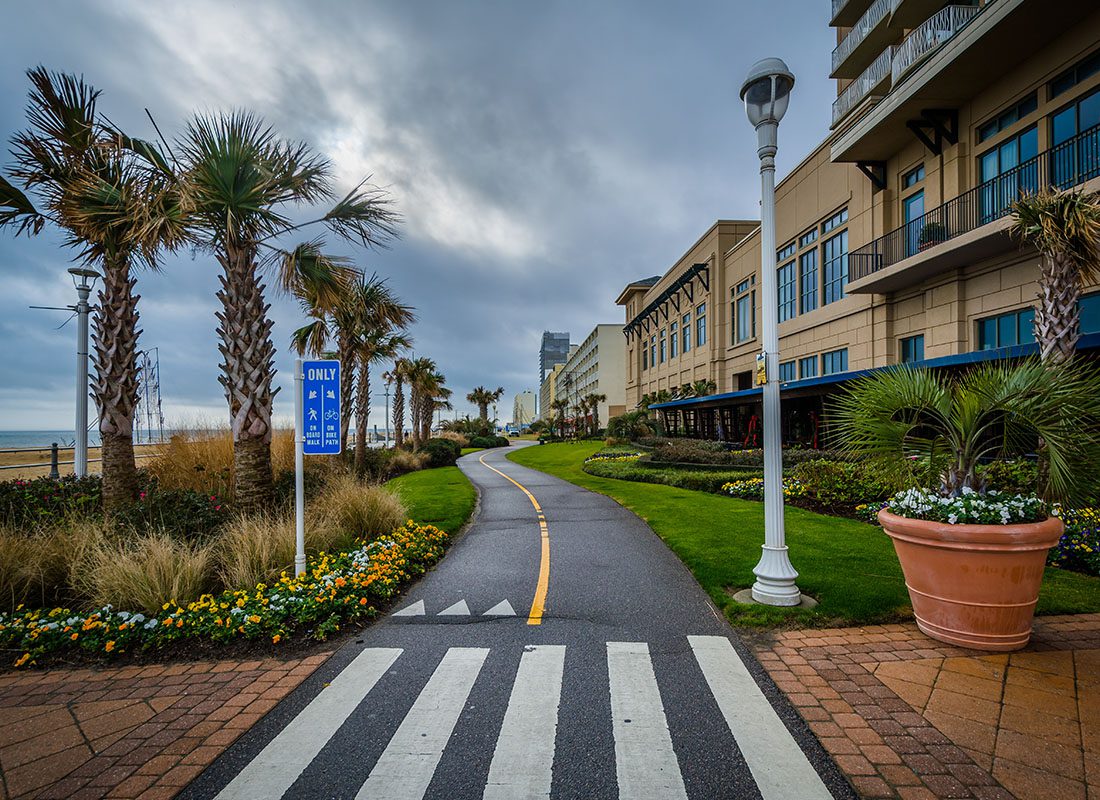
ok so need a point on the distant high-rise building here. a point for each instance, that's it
(554, 351)
(523, 408)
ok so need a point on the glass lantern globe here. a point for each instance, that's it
(767, 91)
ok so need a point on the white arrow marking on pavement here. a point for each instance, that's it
(279, 764)
(415, 610)
(524, 756)
(501, 609)
(777, 763)
(644, 759)
(459, 609)
(406, 766)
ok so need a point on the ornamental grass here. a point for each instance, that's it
(141, 574)
(202, 460)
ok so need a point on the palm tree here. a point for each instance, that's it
(376, 344)
(236, 178)
(941, 428)
(424, 382)
(97, 193)
(397, 376)
(1065, 228)
(483, 398)
(560, 405)
(592, 401)
(702, 388)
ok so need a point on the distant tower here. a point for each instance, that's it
(555, 350)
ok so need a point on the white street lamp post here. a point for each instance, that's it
(766, 92)
(83, 280)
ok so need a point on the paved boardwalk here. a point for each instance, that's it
(560, 650)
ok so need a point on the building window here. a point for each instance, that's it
(808, 238)
(745, 310)
(807, 367)
(664, 346)
(686, 331)
(835, 221)
(653, 350)
(1007, 330)
(786, 371)
(673, 339)
(912, 349)
(1090, 313)
(834, 361)
(1082, 70)
(1071, 164)
(836, 267)
(701, 325)
(786, 252)
(807, 275)
(912, 177)
(1009, 117)
(787, 292)
(1007, 170)
(645, 357)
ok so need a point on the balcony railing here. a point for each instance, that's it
(874, 77)
(930, 36)
(871, 18)
(1068, 164)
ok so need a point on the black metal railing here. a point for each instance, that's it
(1068, 164)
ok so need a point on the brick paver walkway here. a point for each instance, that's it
(908, 717)
(127, 732)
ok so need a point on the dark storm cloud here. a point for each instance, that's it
(543, 155)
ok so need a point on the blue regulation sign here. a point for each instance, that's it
(321, 407)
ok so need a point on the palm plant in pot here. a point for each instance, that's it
(974, 557)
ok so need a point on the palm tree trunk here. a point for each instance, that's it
(398, 412)
(362, 414)
(483, 410)
(247, 371)
(414, 415)
(1057, 317)
(347, 387)
(115, 384)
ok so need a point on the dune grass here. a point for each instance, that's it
(848, 566)
(443, 497)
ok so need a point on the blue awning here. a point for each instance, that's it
(1088, 341)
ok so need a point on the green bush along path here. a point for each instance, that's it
(443, 497)
(848, 566)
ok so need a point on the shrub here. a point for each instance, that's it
(458, 438)
(28, 503)
(180, 513)
(256, 549)
(1013, 477)
(353, 510)
(841, 483)
(490, 441)
(441, 452)
(149, 572)
(700, 451)
(632, 470)
(403, 461)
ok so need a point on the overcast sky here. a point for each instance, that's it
(543, 154)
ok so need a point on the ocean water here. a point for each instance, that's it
(18, 439)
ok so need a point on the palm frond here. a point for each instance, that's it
(17, 210)
(364, 214)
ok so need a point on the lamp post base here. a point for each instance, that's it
(775, 577)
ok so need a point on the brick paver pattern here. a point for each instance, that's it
(131, 731)
(908, 717)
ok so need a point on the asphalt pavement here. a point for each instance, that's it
(559, 650)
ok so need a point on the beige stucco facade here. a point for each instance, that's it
(940, 275)
(597, 366)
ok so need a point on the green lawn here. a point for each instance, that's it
(443, 497)
(467, 450)
(849, 566)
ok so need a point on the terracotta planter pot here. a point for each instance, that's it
(973, 585)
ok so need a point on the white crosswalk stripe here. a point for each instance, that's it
(778, 766)
(279, 764)
(522, 766)
(644, 759)
(406, 766)
(524, 756)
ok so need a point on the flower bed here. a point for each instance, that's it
(613, 456)
(335, 588)
(1079, 547)
(753, 489)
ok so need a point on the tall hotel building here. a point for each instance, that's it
(892, 242)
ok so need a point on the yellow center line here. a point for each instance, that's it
(539, 603)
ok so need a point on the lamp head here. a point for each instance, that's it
(767, 91)
(83, 277)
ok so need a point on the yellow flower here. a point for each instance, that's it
(23, 659)
(275, 639)
(109, 646)
(254, 618)
(73, 637)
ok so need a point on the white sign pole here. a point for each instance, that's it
(299, 470)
